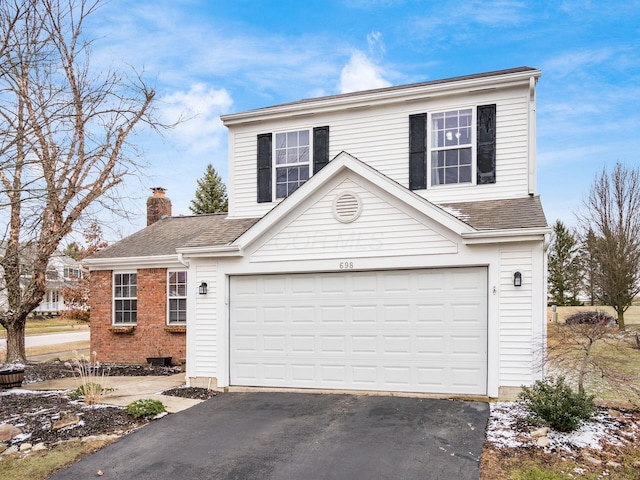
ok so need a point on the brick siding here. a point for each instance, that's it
(149, 338)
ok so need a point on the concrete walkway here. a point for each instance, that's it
(128, 389)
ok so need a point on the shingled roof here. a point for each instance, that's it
(164, 236)
(168, 234)
(506, 214)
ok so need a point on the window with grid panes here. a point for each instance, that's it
(125, 298)
(177, 297)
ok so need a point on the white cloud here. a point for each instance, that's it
(361, 74)
(199, 110)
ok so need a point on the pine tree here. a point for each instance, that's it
(565, 276)
(211, 194)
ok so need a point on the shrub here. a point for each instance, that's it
(591, 317)
(90, 377)
(146, 408)
(554, 403)
(89, 390)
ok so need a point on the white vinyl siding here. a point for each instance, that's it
(205, 343)
(379, 136)
(409, 330)
(517, 342)
(381, 230)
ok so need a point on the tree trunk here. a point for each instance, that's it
(621, 325)
(15, 340)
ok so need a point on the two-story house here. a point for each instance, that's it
(388, 239)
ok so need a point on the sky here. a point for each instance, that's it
(212, 57)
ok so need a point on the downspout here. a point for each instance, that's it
(182, 260)
(532, 136)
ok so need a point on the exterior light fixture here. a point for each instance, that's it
(202, 289)
(517, 279)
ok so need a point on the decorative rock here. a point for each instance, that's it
(543, 442)
(25, 446)
(636, 464)
(592, 461)
(615, 413)
(613, 464)
(38, 447)
(7, 432)
(540, 432)
(12, 450)
(66, 420)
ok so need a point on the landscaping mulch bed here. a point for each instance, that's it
(52, 417)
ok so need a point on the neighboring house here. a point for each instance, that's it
(387, 240)
(61, 271)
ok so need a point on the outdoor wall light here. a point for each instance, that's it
(202, 289)
(517, 279)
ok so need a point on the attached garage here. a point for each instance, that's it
(422, 330)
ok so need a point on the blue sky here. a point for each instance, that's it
(208, 58)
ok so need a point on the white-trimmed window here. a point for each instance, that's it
(177, 297)
(292, 161)
(452, 147)
(125, 298)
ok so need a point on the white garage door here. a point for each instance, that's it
(407, 330)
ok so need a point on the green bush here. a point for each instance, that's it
(146, 408)
(554, 403)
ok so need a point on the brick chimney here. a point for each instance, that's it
(158, 206)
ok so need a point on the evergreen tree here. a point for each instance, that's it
(211, 194)
(565, 278)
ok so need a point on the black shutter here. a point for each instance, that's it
(264, 168)
(486, 148)
(320, 148)
(418, 151)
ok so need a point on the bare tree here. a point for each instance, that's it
(594, 356)
(612, 214)
(64, 147)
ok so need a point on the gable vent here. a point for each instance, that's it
(347, 207)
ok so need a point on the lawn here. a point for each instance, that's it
(50, 325)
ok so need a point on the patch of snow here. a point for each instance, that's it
(456, 213)
(21, 437)
(504, 430)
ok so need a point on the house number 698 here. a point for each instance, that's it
(346, 265)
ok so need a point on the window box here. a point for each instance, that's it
(122, 329)
(176, 328)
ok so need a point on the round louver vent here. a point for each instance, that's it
(347, 207)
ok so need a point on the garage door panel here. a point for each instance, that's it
(395, 331)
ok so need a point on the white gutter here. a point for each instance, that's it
(147, 261)
(217, 250)
(502, 236)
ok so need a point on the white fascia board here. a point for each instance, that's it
(503, 236)
(366, 99)
(132, 262)
(216, 250)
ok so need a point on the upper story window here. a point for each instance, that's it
(292, 157)
(125, 298)
(72, 272)
(451, 147)
(177, 297)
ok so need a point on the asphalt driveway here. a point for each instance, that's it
(300, 436)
